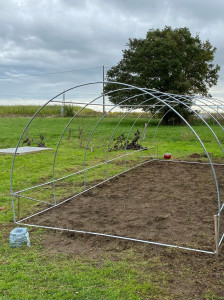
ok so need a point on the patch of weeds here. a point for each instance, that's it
(212, 296)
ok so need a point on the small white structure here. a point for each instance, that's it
(23, 150)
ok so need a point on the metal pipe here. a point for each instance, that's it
(90, 136)
(153, 94)
(202, 99)
(33, 199)
(220, 242)
(56, 151)
(180, 102)
(67, 176)
(74, 196)
(18, 207)
(216, 235)
(109, 144)
(213, 99)
(100, 104)
(221, 208)
(182, 97)
(120, 237)
(219, 199)
(52, 99)
(206, 152)
(13, 160)
(78, 172)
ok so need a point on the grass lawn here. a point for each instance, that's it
(136, 272)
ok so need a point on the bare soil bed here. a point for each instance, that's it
(161, 201)
(165, 202)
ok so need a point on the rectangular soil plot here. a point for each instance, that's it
(165, 202)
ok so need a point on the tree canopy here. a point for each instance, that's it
(168, 60)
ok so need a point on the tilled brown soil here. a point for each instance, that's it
(165, 202)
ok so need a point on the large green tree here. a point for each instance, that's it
(168, 60)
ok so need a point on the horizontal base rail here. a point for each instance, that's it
(21, 222)
(189, 162)
(118, 237)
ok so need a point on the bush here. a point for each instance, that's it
(68, 111)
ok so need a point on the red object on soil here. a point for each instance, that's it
(167, 155)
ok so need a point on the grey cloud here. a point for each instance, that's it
(43, 36)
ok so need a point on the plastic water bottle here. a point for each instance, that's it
(19, 236)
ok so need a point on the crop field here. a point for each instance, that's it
(61, 265)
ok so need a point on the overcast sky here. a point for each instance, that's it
(49, 36)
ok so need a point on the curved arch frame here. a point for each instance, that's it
(164, 103)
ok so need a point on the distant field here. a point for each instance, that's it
(30, 110)
(51, 111)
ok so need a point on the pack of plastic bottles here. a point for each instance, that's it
(18, 237)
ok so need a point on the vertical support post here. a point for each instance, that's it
(54, 192)
(103, 95)
(62, 105)
(143, 138)
(107, 169)
(69, 133)
(18, 207)
(216, 235)
(144, 133)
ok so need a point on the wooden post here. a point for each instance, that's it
(18, 207)
(216, 234)
(69, 133)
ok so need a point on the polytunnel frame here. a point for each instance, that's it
(152, 94)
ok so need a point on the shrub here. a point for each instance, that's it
(68, 111)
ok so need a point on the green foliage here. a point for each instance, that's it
(171, 118)
(68, 111)
(168, 60)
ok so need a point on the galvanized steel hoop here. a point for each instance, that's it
(161, 100)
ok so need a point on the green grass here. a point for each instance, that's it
(31, 273)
